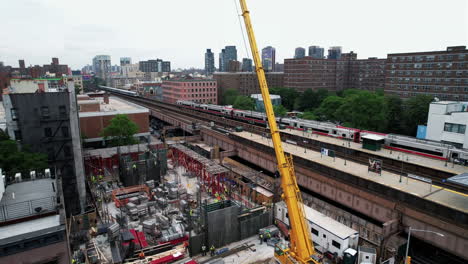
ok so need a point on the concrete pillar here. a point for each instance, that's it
(76, 141)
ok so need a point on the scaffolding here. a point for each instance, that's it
(210, 174)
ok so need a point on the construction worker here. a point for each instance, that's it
(134, 166)
(261, 238)
(268, 235)
(203, 250)
(73, 261)
(141, 255)
(93, 179)
(186, 244)
(212, 250)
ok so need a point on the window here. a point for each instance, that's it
(455, 128)
(336, 244)
(315, 231)
(62, 111)
(64, 131)
(67, 151)
(48, 132)
(18, 135)
(45, 112)
(14, 114)
(50, 153)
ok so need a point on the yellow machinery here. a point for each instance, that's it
(301, 249)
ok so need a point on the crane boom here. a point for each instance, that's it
(301, 249)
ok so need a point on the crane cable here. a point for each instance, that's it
(242, 30)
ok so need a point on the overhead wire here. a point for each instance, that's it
(247, 50)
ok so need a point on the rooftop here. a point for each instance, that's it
(22, 199)
(17, 232)
(115, 106)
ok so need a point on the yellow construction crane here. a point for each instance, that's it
(301, 249)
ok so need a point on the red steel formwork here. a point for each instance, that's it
(210, 174)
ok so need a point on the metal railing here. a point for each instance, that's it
(27, 208)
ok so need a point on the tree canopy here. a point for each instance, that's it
(288, 96)
(13, 160)
(280, 110)
(244, 103)
(310, 99)
(415, 111)
(229, 96)
(120, 131)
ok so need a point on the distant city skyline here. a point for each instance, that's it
(86, 32)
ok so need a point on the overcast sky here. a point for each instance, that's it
(181, 30)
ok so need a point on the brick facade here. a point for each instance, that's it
(197, 90)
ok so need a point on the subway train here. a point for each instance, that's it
(421, 147)
(119, 91)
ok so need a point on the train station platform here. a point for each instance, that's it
(387, 153)
(445, 197)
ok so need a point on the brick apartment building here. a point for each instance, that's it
(334, 74)
(197, 90)
(443, 74)
(245, 82)
(367, 74)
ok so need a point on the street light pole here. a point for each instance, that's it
(409, 236)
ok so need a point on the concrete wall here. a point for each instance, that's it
(438, 116)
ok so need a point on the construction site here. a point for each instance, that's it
(172, 202)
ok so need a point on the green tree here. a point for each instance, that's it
(280, 110)
(310, 100)
(229, 96)
(364, 110)
(120, 131)
(415, 111)
(77, 89)
(329, 107)
(288, 96)
(309, 116)
(393, 114)
(244, 103)
(13, 160)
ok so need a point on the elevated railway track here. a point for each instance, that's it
(191, 116)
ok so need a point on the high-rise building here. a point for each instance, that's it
(221, 64)
(125, 61)
(441, 74)
(47, 122)
(299, 53)
(316, 52)
(269, 58)
(157, 65)
(22, 64)
(247, 65)
(334, 53)
(209, 62)
(102, 66)
(229, 53)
